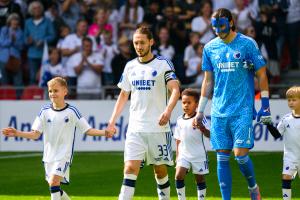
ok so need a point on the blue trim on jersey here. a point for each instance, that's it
(168, 61)
(73, 147)
(76, 111)
(45, 107)
(169, 143)
(204, 147)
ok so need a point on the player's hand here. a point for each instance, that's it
(164, 118)
(9, 132)
(110, 130)
(197, 122)
(264, 114)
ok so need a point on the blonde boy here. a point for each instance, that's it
(57, 122)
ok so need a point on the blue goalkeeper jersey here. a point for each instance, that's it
(233, 66)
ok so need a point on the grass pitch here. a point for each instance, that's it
(98, 176)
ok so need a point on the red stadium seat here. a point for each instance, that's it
(8, 93)
(33, 93)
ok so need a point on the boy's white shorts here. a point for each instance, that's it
(59, 168)
(200, 168)
(154, 148)
(291, 168)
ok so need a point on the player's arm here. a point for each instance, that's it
(173, 87)
(12, 132)
(273, 130)
(119, 106)
(97, 132)
(206, 90)
(264, 115)
(206, 133)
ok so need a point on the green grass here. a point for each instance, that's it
(98, 176)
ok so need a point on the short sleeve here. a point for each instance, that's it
(206, 63)
(124, 83)
(177, 131)
(281, 126)
(255, 55)
(37, 125)
(82, 125)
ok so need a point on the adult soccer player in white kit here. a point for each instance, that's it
(149, 80)
(57, 122)
(289, 129)
(190, 148)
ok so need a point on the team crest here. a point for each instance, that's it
(154, 73)
(237, 55)
(66, 119)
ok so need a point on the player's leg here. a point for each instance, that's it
(133, 155)
(181, 170)
(289, 171)
(221, 141)
(159, 154)
(162, 180)
(199, 170)
(57, 173)
(243, 139)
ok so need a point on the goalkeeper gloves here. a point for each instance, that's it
(264, 114)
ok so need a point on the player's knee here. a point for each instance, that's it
(130, 168)
(179, 176)
(160, 171)
(54, 181)
(200, 178)
(286, 177)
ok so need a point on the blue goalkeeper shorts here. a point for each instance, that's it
(231, 132)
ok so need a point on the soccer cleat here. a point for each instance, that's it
(255, 194)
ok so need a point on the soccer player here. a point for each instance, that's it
(190, 149)
(57, 122)
(150, 80)
(289, 127)
(230, 62)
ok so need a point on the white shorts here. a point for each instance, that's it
(59, 168)
(197, 167)
(291, 168)
(154, 148)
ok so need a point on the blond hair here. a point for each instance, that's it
(293, 92)
(61, 81)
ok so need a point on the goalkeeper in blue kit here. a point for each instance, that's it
(230, 62)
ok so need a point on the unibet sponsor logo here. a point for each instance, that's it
(143, 84)
(228, 66)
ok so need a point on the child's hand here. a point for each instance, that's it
(9, 132)
(110, 133)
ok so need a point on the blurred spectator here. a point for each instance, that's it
(194, 70)
(228, 4)
(153, 15)
(64, 31)
(70, 12)
(119, 61)
(38, 30)
(108, 52)
(189, 51)
(164, 47)
(201, 24)
(99, 26)
(266, 33)
(70, 46)
(8, 7)
(88, 67)
(188, 10)
(113, 18)
(130, 15)
(11, 44)
(293, 32)
(250, 31)
(243, 16)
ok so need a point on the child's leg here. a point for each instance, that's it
(56, 192)
(201, 186)
(179, 181)
(286, 187)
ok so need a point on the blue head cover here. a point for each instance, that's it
(219, 23)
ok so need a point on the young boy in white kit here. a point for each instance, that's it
(190, 148)
(57, 122)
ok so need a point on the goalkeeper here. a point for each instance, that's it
(230, 62)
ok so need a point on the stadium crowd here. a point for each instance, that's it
(89, 41)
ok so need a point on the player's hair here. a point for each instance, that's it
(60, 80)
(191, 92)
(145, 30)
(293, 92)
(223, 12)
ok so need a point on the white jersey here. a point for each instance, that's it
(191, 146)
(147, 83)
(289, 128)
(58, 128)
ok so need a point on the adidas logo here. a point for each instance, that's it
(58, 169)
(285, 195)
(162, 194)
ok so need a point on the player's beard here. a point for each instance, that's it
(146, 53)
